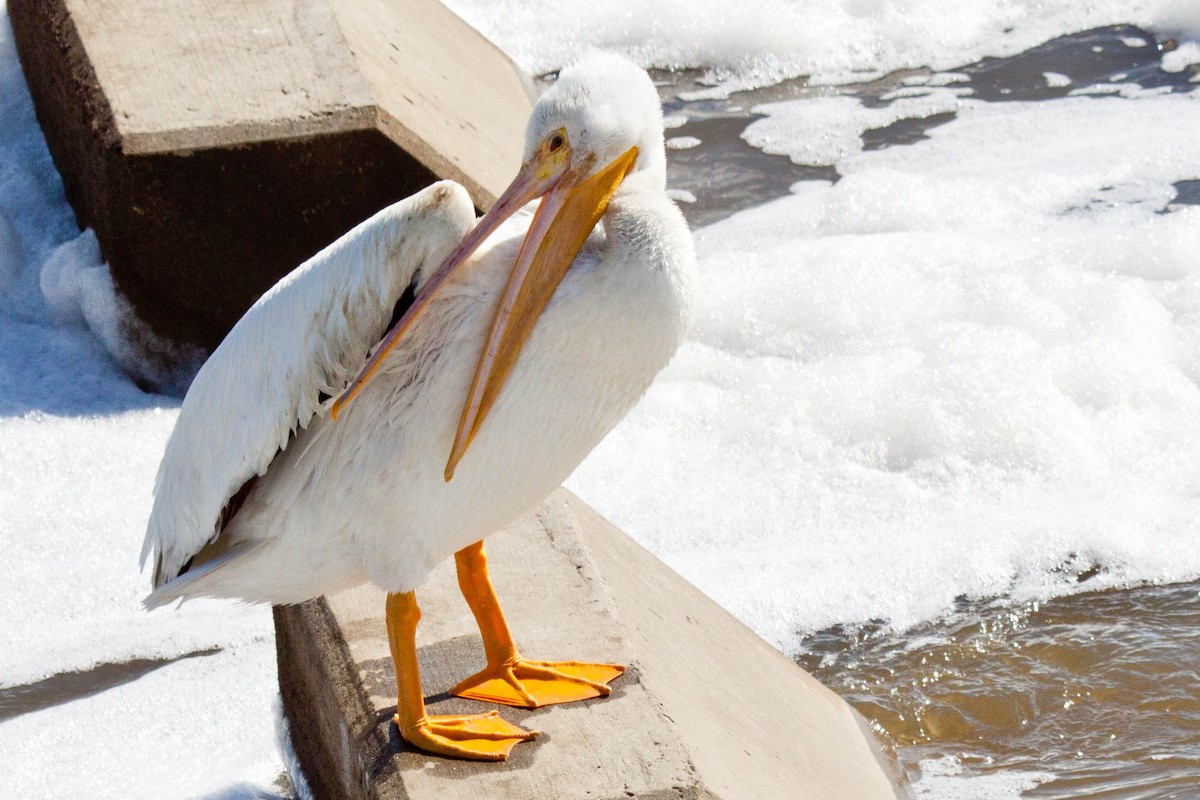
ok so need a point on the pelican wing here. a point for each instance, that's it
(294, 350)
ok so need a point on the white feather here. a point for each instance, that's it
(309, 335)
(364, 498)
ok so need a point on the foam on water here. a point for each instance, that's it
(944, 779)
(825, 130)
(968, 363)
(1184, 56)
(757, 44)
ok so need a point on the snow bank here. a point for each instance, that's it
(78, 290)
(79, 445)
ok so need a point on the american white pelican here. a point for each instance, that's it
(271, 491)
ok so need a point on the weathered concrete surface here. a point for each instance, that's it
(214, 145)
(707, 709)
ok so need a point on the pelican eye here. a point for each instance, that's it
(556, 141)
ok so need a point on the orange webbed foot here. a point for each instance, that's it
(479, 737)
(526, 683)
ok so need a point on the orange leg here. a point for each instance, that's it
(483, 737)
(509, 677)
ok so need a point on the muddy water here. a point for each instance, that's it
(1100, 690)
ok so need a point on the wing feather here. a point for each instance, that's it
(299, 345)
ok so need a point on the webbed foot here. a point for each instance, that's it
(481, 737)
(526, 683)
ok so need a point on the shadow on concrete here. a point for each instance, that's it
(16, 701)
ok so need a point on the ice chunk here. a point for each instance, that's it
(60, 278)
(79, 290)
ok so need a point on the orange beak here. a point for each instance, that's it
(569, 210)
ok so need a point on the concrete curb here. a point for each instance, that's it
(707, 709)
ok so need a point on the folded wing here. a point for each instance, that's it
(294, 350)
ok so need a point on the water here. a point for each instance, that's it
(1095, 694)
(1098, 689)
(726, 175)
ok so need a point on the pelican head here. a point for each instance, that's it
(601, 106)
(600, 122)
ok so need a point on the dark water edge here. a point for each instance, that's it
(726, 175)
(1100, 689)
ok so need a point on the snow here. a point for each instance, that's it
(972, 360)
(61, 280)
(80, 446)
(198, 726)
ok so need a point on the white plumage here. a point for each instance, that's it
(306, 337)
(364, 497)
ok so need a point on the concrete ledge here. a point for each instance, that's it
(707, 709)
(213, 145)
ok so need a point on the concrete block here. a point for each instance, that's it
(215, 145)
(706, 710)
